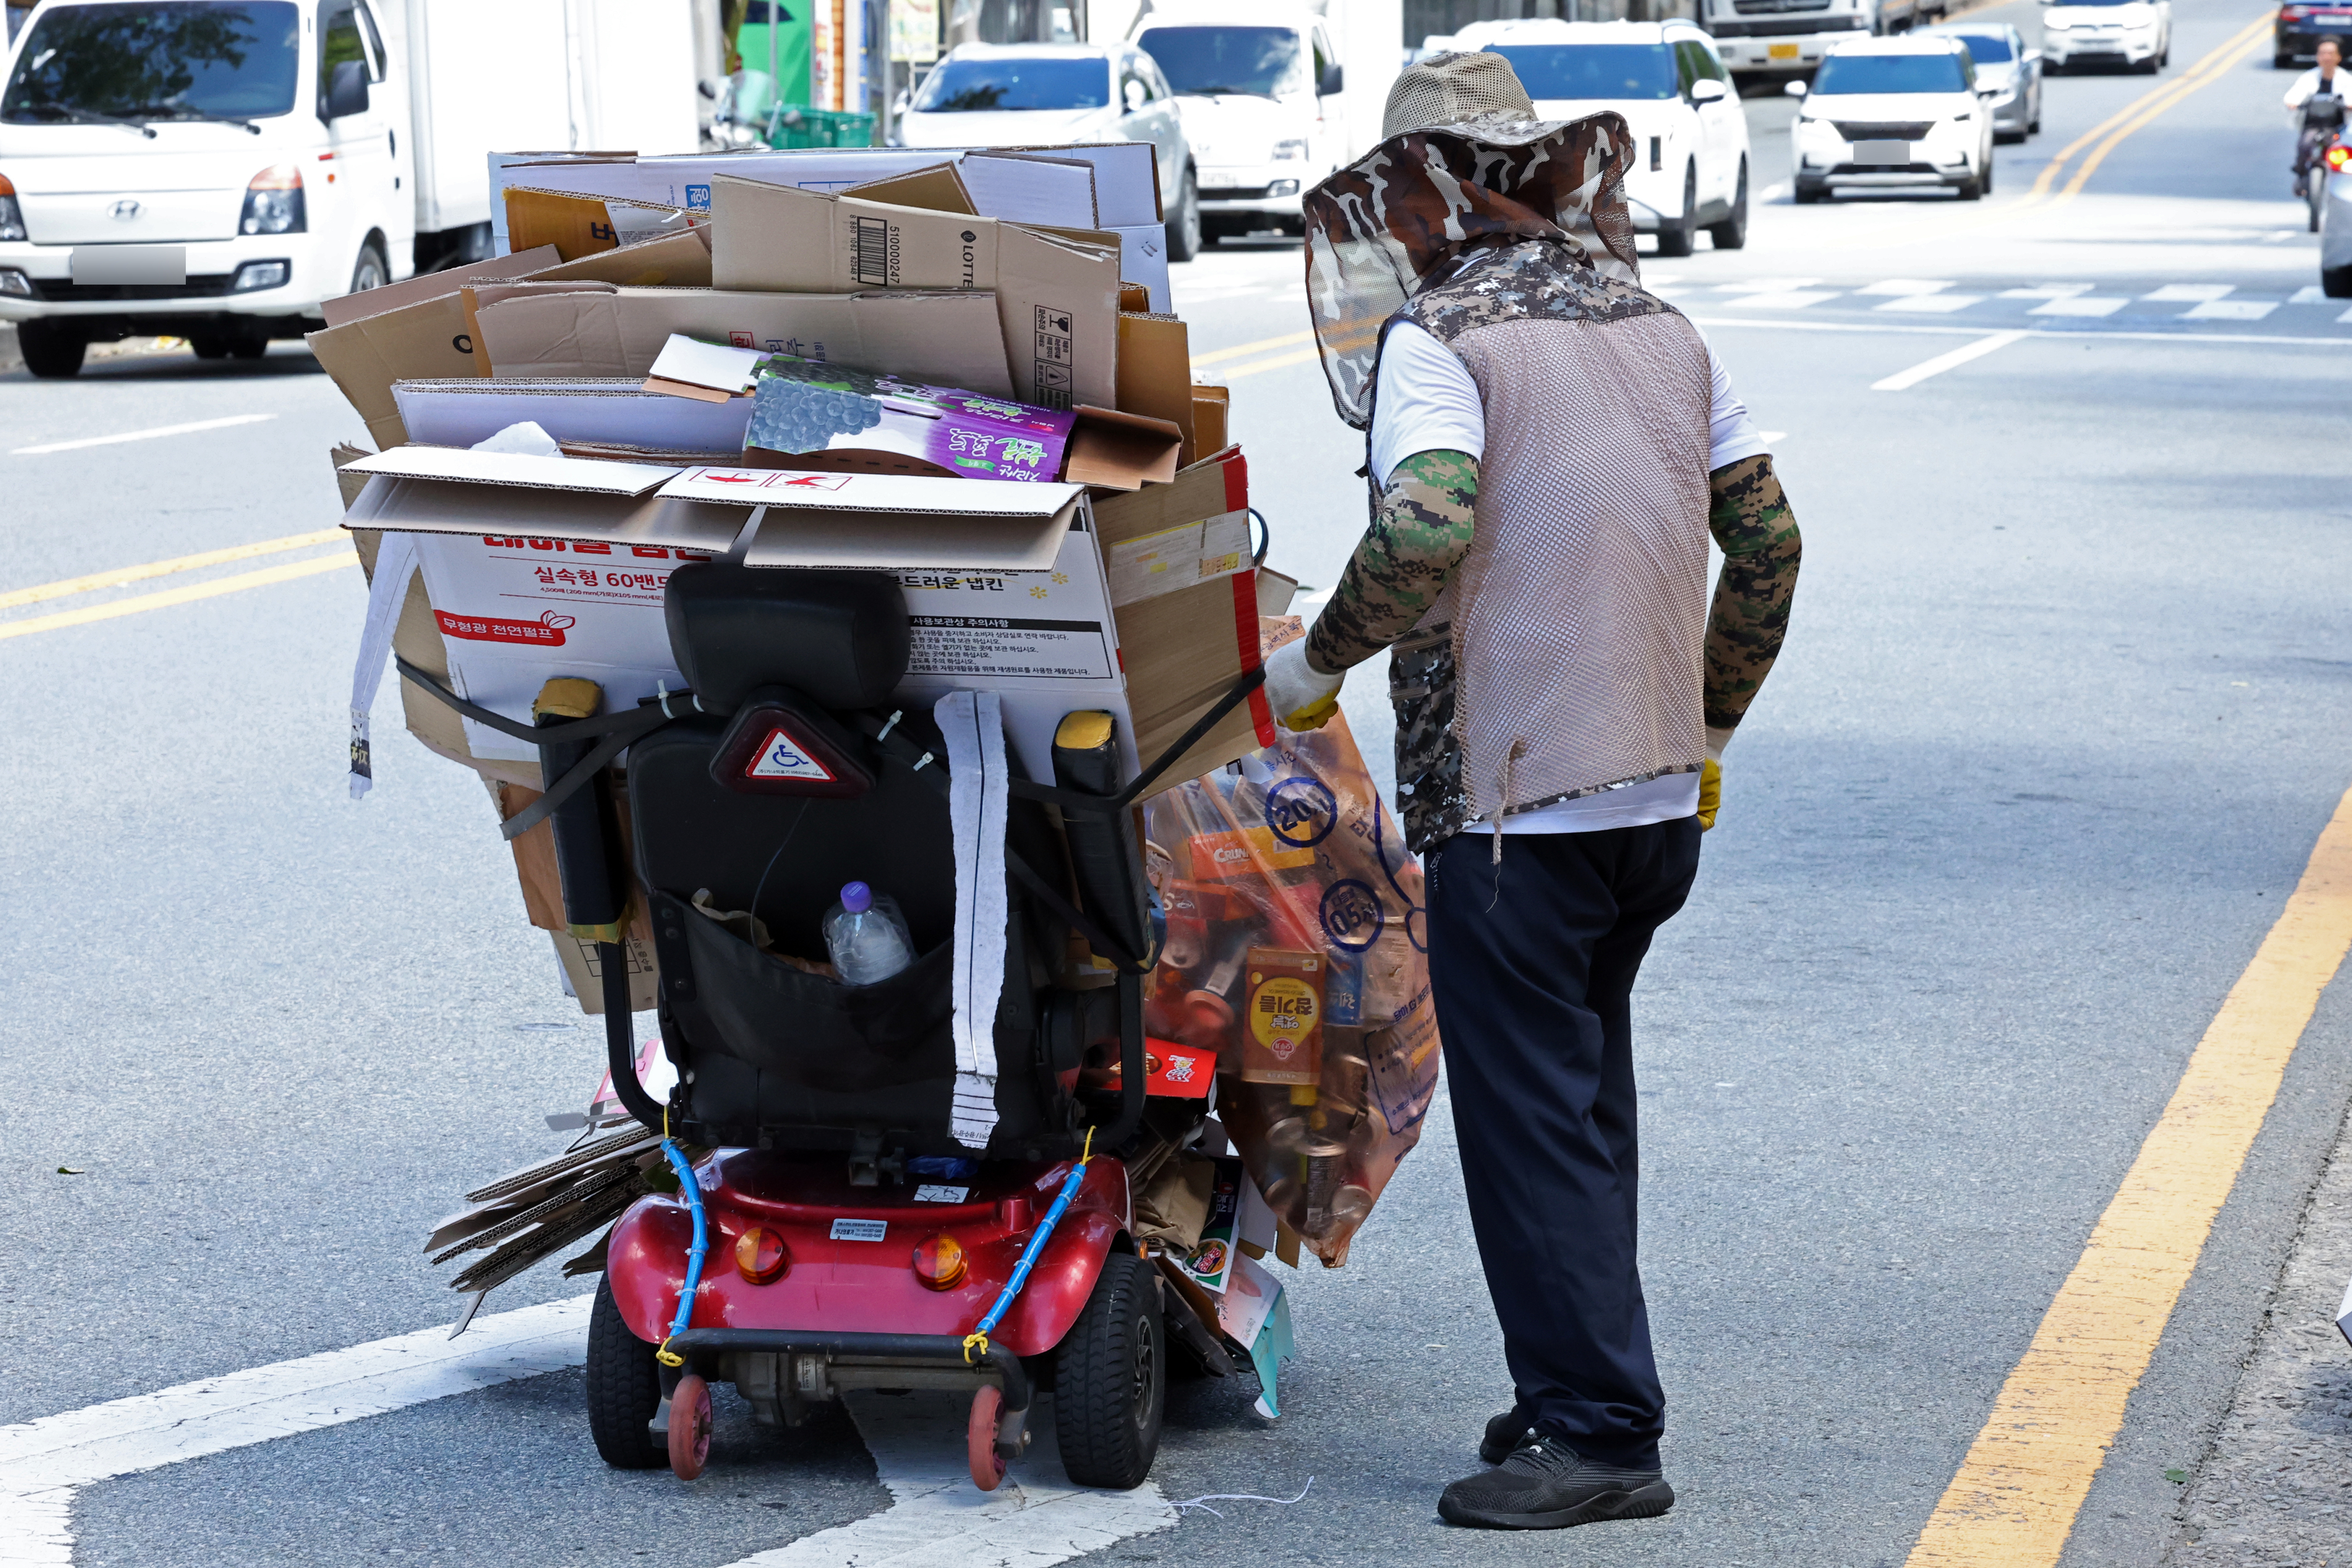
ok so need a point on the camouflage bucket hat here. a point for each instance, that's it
(1380, 228)
(1447, 89)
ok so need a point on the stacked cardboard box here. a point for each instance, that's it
(1121, 579)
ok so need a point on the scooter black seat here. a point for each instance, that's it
(770, 1053)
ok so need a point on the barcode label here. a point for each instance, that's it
(1055, 356)
(871, 250)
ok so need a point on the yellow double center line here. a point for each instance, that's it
(210, 588)
(2110, 132)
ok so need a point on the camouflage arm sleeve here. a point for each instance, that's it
(1419, 534)
(1752, 521)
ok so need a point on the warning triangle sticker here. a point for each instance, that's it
(782, 756)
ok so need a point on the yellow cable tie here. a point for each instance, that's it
(973, 1339)
(668, 1356)
(1087, 1153)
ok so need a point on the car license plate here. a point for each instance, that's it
(119, 263)
(1882, 151)
(1781, 51)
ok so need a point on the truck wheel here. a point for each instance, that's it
(1184, 223)
(52, 349)
(1679, 237)
(209, 345)
(1110, 1379)
(2335, 282)
(624, 1388)
(1732, 233)
(369, 271)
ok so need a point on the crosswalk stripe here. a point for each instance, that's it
(2081, 305)
(2231, 310)
(1903, 380)
(2196, 293)
(1931, 304)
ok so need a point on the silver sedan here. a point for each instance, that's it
(2004, 60)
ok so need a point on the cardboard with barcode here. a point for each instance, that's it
(1056, 293)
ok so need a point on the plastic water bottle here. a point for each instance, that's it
(866, 936)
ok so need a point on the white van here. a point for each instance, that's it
(216, 169)
(1259, 88)
(1690, 139)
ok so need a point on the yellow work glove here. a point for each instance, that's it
(1710, 777)
(1302, 696)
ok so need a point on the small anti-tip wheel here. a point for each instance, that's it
(689, 1427)
(980, 1438)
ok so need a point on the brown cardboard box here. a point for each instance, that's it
(422, 335)
(948, 338)
(1056, 293)
(584, 226)
(1155, 373)
(1209, 407)
(1184, 649)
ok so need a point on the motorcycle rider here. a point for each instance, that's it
(2323, 78)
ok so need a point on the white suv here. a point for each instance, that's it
(1690, 140)
(1893, 112)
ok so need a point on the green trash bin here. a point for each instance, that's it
(797, 125)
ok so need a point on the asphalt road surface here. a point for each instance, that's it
(2056, 733)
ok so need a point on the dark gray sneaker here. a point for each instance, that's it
(1547, 1485)
(1503, 1434)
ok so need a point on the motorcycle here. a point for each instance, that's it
(2323, 134)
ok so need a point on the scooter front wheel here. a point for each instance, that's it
(980, 1438)
(689, 1427)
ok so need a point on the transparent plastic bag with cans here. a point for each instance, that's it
(1297, 951)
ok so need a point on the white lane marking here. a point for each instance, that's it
(2048, 291)
(937, 1519)
(1931, 304)
(2106, 335)
(1787, 299)
(2081, 305)
(1904, 287)
(2190, 293)
(2231, 310)
(1768, 285)
(1903, 380)
(2309, 293)
(42, 1462)
(189, 429)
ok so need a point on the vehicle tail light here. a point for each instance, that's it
(12, 217)
(2339, 158)
(761, 1257)
(274, 204)
(939, 1261)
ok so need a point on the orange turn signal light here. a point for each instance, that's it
(760, 1256)
(939, 1261)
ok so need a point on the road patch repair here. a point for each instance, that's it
(2014, 1502)
(935, 1517)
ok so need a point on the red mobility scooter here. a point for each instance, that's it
(827, 1232)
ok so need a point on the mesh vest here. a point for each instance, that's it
(1563, 658)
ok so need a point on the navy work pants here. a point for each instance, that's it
(1532, 966)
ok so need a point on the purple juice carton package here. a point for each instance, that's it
(804, 405)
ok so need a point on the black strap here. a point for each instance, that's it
(1112, 805)
(621, 730)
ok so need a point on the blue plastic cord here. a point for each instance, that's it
(688, 1185)
(1070, 1185)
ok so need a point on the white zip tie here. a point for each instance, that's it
(895, 716)
(928, 759)
(1202, 1502)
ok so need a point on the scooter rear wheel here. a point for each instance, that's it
(1109, 1378)
(980, 1438)
(689, 1427)
(624, 1388)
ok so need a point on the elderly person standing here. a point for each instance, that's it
(1549, 448)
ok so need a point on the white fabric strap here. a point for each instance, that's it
(971, 725)
(396, 562)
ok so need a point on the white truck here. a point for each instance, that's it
(216, 169)
(1772, 37)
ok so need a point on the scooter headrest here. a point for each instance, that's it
(838, 637)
